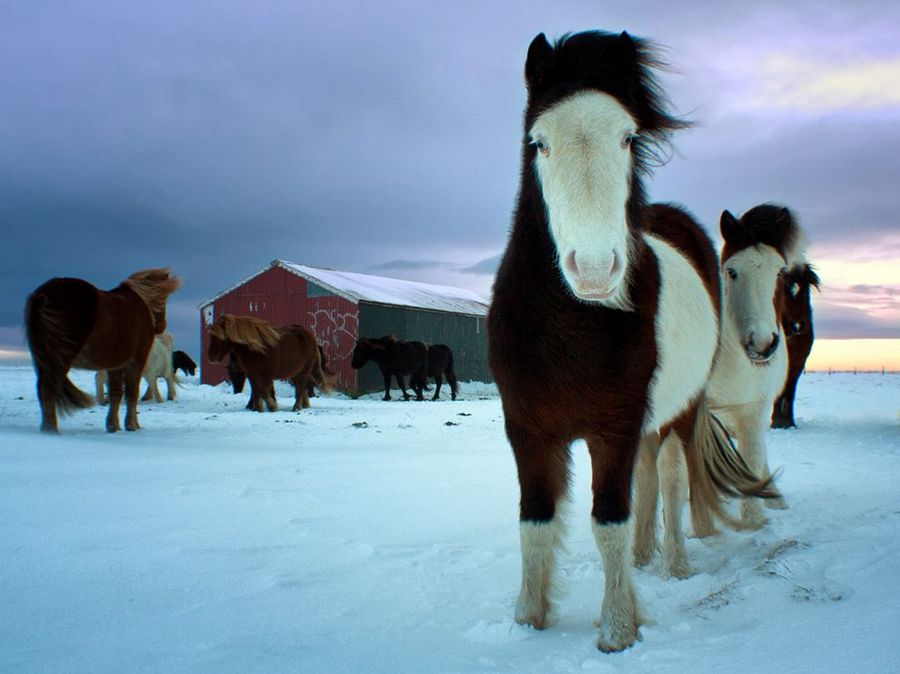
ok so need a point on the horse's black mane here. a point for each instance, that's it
(769, 225)
(615, 63)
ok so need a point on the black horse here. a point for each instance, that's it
(182, 361)
(395, 358)
(440, 364)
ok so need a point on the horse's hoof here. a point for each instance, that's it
(641, 555)
(537, 617)
(678, 568)
(47, 428)
(615, 638)
(752, 517)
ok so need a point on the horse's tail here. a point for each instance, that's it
(716, 470)
(321, 375)
(49, 344)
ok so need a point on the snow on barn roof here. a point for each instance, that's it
(357, 288)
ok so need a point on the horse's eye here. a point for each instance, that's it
(629, 140)
(732, 274)
(542, 147)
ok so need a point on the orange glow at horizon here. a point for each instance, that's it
(849, 354)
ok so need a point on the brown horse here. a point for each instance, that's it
(797, 323)
(612, 305)
(265, 353)
(70, 323)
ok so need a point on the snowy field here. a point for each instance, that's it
(363, 536)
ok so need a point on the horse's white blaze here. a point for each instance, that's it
(686, 336)
(585, 181)
(540, 541)
(750, 295)
(620, 614)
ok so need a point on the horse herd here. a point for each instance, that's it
(613, 320)
(120, 333)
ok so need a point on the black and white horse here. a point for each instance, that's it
(748, 375)
(611, 304)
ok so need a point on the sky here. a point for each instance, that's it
(385, 138)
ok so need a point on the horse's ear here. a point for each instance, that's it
(729, 226)
(539, 63)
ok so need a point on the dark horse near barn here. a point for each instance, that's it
(605, 315)
(440, 364)
(265, 353)
(182, 361)
(395, 358)
(71, 323)
(797, 323)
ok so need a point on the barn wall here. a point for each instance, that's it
(283, 298)
(465, 335)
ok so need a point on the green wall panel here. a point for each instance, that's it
(465, 335)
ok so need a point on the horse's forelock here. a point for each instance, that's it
(618, 64)
(154, 286)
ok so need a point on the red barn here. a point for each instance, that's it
(341, 306)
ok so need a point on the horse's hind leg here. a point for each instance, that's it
(673, 480)
(438, 380)
(646, 499)
(451, 378)
(612, 463)
(402, 384)
(543, 467)
(99, 385)
(132, 376)
(115, 383)
(48, 389)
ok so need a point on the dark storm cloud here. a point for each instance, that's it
(486, 266)
(397, 265)
(216, 137)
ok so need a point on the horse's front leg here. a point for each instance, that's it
(387, 384)
(612, 464)
(750, 428)
(115, 383)
(673, 479)
(543, 466)
(268, 387)
(646, 499)
(132, 377)
(256, 396)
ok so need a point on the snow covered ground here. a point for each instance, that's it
(362, 536)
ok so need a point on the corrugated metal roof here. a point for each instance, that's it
(381, 290)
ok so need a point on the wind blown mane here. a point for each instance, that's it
(153, 286)
(625, 67)
(254, 333)
(802, 273)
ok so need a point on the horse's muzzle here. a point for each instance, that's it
(761, 357)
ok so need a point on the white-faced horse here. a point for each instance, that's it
(748, 375)
(610, 306)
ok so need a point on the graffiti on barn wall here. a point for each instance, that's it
(337, 329)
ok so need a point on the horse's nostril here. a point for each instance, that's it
(616, 264)
(571, 265)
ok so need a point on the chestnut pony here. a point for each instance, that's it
(265, 353)
(611, 304)
(797, 323)
(70, 323)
